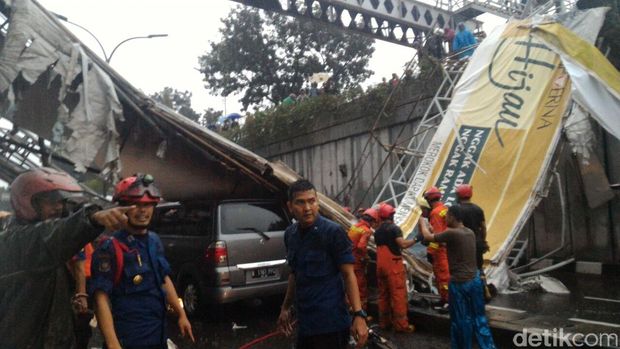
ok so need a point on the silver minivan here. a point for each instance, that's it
(224, 251)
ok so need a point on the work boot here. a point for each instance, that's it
(409, 329)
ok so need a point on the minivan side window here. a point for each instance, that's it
(240, 218)
(183, 220)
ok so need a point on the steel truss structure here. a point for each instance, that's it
(396, 186)
(19, 151)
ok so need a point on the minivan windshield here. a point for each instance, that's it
(248, 217)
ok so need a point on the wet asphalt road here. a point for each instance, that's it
(214, 329)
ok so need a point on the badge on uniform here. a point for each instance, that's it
(105, 266)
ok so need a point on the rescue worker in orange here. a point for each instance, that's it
(391, 274)
(359, 234)
(437, 252)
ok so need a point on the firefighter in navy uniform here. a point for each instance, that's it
(130, 279)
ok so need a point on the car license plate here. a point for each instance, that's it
(265, 273)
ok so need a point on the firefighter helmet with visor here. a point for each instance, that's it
(138, 188)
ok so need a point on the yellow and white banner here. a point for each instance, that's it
(498, 134)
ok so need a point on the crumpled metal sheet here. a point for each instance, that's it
(25, 51)
(90, 126)
(578, 130)
(586, 23)
(538, 282)
(36, 45)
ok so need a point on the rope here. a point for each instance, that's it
(373, 138)
(366, 154)
(260, 339)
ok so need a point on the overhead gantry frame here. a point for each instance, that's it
(396, 21)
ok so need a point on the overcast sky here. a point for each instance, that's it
(156, 63)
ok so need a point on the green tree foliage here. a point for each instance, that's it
(266, 56)
(181, 101)
(610, 32)
(210, 116)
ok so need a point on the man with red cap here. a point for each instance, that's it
(130, 280)
(437, 251)
(473, 218)
(391, 273)
(36, 287)
(467, 312)
(359, 235)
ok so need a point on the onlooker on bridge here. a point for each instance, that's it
(290, 100)
(448, 36)
(394, 81)
(302, 96)
(464, 42)
(314, 90)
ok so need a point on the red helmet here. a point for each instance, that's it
(37, 181)
(386, 210)
(372, 213)
(138, 188)
(464, 191)
(432, 193)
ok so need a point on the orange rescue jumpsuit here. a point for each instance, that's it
(439, 253)
(391, 279)
(359, 235)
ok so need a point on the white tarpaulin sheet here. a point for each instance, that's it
(36, 49)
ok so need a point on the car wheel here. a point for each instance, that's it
(191, 297)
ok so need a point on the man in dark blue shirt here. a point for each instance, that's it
(319, 255)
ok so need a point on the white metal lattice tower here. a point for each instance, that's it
(398, 183)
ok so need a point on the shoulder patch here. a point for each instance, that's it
(105, 263)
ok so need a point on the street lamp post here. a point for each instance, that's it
(105, 56)
(151, 36)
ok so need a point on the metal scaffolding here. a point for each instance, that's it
(397, 184)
